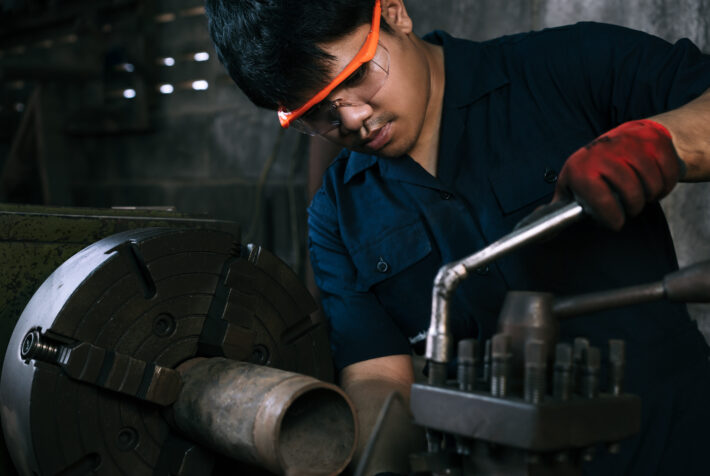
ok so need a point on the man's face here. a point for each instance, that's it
(390, 123)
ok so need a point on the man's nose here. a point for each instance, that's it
(352, 118)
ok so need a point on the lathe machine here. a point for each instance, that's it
(150, 343)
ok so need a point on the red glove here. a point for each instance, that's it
(615, 175)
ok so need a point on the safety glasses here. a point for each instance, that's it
(356, 84)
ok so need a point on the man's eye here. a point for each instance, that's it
(357, 76)
(313, 111)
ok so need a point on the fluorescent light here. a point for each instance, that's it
(194, 11)
(165, 17)
(167, 88)
(129, 93)
(168, 61)
(202, 56)
(200, 85)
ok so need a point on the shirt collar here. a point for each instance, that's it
(357, 162)
(472, 71)
(461, 58)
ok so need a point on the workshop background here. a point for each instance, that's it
(123, 103)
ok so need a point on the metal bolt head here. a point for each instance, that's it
(617, 351)
(127, 438)
(259, 355)
(563, 356)
(500, 345)
(593, 359)
(467, 349)
(164, 325)
(535, 353)
(29, 343)
(580, 348)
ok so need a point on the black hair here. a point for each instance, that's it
(269, 47)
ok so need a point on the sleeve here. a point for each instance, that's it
(595, 76)
(360, 329)
(633, 75)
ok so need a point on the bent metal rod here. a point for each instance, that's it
(439, 338)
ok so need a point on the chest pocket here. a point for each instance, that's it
(390, 253)
(518, 184)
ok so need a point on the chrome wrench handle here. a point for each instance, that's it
(439, 338)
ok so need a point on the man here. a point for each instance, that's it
(450, 143)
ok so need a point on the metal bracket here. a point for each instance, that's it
(106, 369)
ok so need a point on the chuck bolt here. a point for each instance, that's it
(466, 370)
(563, 385)
(579, 351)
(590, 373)
(501, 358)
(487, 361)
(34, 346)
(535, 371)
(617, 362)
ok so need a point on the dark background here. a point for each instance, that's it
(69, 136)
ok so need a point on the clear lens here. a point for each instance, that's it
(356, 90)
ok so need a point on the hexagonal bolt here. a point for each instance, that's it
(164, 325)
(35, 346)
(501, 357)
(580, 346)
(434, 440)
(535, 371)
(617, 363)
(466, 370)
(590, 373)
(487, 361)
(563, 380)
(127, 438)
(579, 351)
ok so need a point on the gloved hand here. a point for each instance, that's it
(615, 175)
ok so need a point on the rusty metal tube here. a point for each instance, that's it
(286, 422)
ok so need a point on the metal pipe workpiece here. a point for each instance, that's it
(439, 337)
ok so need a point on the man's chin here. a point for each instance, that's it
(384, 152)
(391, 150)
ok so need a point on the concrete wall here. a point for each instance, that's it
(688, 207)
(206, 151)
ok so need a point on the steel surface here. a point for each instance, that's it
(551, 425)
(146, 294)
(438, 344)
(290, 423)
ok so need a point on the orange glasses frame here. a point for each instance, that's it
(366, 53)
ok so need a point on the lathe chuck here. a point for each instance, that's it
(90, 367)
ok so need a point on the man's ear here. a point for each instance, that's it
(394, 13)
